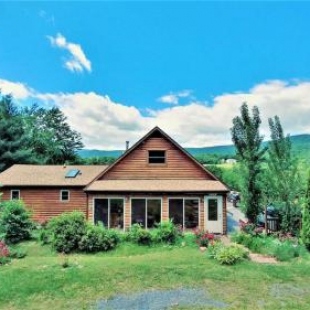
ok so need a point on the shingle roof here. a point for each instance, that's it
(45, 175)
(158, 186)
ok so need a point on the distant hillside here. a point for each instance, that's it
(300, 143)
(85, 153)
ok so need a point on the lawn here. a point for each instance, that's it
(40, 282)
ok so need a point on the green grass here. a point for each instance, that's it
(39, 282)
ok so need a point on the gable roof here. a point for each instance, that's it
(48, 175)
(166, 136)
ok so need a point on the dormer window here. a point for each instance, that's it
(157, 157)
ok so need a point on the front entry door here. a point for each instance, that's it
(214, 214)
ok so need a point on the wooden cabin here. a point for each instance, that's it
(154, 180)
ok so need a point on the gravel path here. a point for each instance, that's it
(160, 300)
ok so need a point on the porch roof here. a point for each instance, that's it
(157, 186)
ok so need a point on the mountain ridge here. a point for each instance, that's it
(300, 146)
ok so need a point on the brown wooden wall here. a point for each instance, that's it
(135, 165)
(45, 203)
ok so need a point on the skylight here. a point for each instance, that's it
(72, 173)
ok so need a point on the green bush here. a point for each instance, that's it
(15, 222)
(268, 245)
(44, 236)
(4, 260)
(305, 229)
(242, 238)
(227, 254)
(66, 231)
(165, 232)
(287, 251)
(97, 238)
(139, 235)
(4, 253)
(17, 253)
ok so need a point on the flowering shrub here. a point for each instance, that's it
(203, 238)
(4, 253)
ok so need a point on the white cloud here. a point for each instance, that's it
(105, 124)
(18, 90)
(77, 61)
(173, 98)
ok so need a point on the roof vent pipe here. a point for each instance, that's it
(127, 145)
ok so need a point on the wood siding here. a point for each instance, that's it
(45, 203)
(135, 165)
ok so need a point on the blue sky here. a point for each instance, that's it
(117, 69)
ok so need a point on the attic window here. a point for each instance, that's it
(72, 173)
(157, 157)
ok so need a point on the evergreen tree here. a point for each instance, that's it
(248, 142)
(305, 229)
(282, 177)
(13, 138)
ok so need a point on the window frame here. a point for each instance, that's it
(109, 208)
(61, 195)
(146, 200)
(164, 157)
(16, 191)
(183, 209)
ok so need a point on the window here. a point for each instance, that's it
(184, 212)
(110, 212)
(15, 194)
(157, 157)
(212, 210)
(146, 212)
(64, 195)
(72, 173)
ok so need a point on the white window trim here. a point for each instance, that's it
(15, 190)
(146, 199)
(183, 209)
(109, 198)
(62, 191)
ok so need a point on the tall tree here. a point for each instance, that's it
(305, 229)
(248, 143)
(13, 138)
(53, 141)
(282, 177)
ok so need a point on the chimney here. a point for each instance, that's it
(127, 145)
